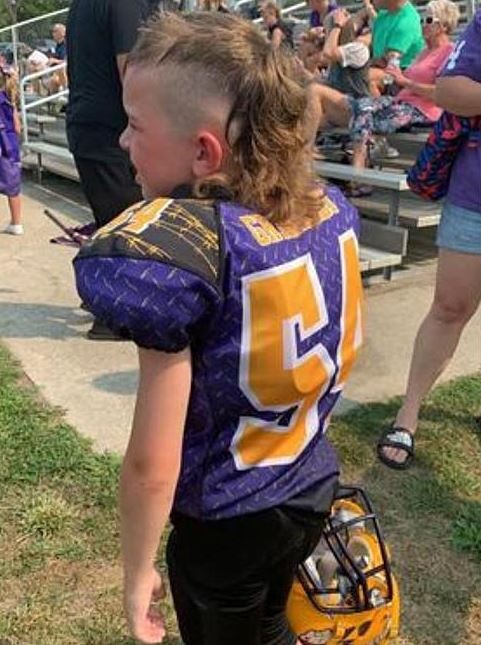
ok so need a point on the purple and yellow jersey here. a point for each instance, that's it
(273, 322)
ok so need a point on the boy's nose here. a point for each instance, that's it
(123, 139)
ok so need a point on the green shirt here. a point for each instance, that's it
(398, 31)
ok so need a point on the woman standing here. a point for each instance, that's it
(458, 284)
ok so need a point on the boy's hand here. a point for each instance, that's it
(144, 620)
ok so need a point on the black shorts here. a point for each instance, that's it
(230, 578)
(109, 186)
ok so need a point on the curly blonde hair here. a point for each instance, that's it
(211, 56)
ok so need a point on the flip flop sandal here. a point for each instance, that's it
(396, 437)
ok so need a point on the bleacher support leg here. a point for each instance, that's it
(393, 220)
(39, 167)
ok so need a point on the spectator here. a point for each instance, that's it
(396, 36)
(347, 56)
(37, 61)
(348, 60)
(414, 104)
(213, 5)
(279, 32)
(319, 11)
(58, 81)
(10, 169)
(311, 55)
(60, 51)
(100, 34)
(246, 308)
(458, 282)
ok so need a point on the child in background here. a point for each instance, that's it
(238, 279)
(278, 31)
(10, 170)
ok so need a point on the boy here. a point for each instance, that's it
(245, 303)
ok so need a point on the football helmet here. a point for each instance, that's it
(345, 591)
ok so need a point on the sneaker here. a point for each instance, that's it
(100, 331)
(14, 229)
(382, 150)
(329, 142)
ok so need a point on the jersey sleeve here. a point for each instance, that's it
(152, 275)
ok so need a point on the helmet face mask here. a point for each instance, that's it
(345, 590)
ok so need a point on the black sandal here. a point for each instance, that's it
(396, 437)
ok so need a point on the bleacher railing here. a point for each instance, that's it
(30, 31)
(26, 105)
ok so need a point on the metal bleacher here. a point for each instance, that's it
(388, 214)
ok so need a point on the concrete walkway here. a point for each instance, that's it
(95, 383)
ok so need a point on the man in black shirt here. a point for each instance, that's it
(100, 35)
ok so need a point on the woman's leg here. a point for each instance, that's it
(392, 115)
(15, 205)
(456, 299)
(325, 107)
(376, 81)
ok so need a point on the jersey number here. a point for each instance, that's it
(283, 308)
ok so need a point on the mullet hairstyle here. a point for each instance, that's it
(269, 165)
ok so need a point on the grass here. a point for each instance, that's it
(59, 552)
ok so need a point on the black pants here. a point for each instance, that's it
(230, 578)
(109, 186)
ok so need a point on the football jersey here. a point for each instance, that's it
(273, 322)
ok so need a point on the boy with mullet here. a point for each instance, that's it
(238, 279)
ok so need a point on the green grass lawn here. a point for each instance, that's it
(59, 554)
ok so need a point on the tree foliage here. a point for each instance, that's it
(12, 11)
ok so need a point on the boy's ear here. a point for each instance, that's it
(209, 155)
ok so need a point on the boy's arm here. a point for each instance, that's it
(148, 480)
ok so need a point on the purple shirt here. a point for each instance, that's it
(465, 183)
(315, 17)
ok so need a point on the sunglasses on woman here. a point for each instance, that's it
(429, 20)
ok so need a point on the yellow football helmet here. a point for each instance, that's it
(345, 591)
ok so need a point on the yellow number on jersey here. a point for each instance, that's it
(276, 303)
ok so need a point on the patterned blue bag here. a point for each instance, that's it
(429, 177)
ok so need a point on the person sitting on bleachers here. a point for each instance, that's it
(396, 37)
(278, 32)
(212, 5)
(319, 11)
(311, 55)
(347, 56)
(58, 81)
(59, 54)
(348, 60)
(414, 105)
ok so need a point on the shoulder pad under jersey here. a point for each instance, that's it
(180, 232)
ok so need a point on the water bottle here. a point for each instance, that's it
(391, 87)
